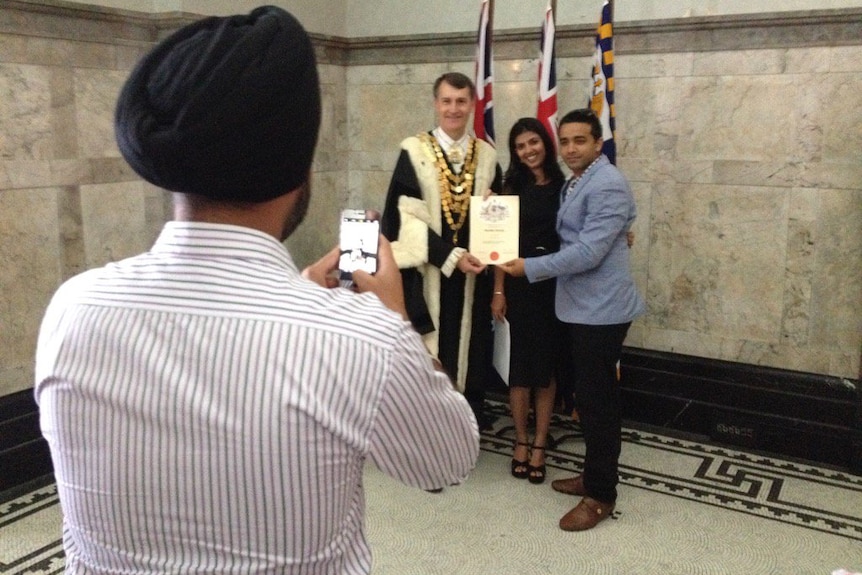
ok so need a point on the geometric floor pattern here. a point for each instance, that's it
(30, 533)
(685, 508)
(772, 488)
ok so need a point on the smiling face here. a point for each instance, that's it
(578, 147)
(531, 151)
(453, 107)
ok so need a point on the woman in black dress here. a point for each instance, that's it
(536, 333)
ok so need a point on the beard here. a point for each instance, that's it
(300, 208)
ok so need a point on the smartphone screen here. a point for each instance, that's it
(358, 241)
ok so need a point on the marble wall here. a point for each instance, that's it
(745, 157)
(747, 169)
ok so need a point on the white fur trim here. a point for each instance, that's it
(411, 247)
(425, 166)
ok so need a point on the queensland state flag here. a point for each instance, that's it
(483, 118)
(547, 109)
(602, 91)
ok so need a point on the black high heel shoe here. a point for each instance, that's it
(521, 469)
(536, 473)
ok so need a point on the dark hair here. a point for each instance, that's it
(457, 80)
(584, 116)
(519, 175)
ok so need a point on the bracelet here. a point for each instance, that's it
(499, 293)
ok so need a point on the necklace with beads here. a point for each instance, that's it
(455, 189)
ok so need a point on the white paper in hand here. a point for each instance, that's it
(502, 349)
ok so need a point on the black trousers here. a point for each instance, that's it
(596, 350)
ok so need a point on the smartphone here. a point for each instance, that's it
(358, 240)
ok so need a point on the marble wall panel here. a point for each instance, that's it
(733, 117)
(333, 145)
(717, 260)
(319, 231)
(640, 250)
(387, 114)
(397, 74)
(368, 188)
(30, 252)
(843, 59)
(799, 266)
(114, 223)
(841, 119)
(640, 135)
(96, 94)
(25, 112)
(673, 65)
(63, 126)
(837, 279)
(57, 52)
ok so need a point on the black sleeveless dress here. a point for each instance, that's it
(537, 335)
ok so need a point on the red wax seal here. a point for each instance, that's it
(494, 256)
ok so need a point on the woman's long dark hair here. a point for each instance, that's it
(519, 175)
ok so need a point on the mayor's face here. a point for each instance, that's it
(453, 107)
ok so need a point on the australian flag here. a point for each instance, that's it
(602, 91)
(483, 117)
(547, 109)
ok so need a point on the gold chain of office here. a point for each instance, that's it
(455, 189)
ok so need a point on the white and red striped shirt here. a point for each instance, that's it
(209, 410)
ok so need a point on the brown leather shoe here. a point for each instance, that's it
(570, 486)
(586, 515)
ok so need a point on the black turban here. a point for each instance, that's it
(228, 108)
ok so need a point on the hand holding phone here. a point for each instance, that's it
(359, 238)
(386, 284)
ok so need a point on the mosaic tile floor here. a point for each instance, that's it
(685, 508)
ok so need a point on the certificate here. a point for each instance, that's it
(494, 228)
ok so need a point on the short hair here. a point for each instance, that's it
(457, 80)
(584, 116)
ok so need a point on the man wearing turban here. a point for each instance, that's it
(209, 408)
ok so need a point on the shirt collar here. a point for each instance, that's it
(447, 143)
(210, 240)
(573, 181)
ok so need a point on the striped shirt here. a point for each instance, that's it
(210, 410)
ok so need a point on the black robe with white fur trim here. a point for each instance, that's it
(422, 241)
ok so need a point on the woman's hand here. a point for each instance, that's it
(498, 306)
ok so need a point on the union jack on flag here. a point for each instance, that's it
(602, 90)
(483, 117)
(547, 109)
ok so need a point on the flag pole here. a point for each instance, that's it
(483, 113)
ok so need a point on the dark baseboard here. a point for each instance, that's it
(24, 455)
(790, 414)
(793, 414)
